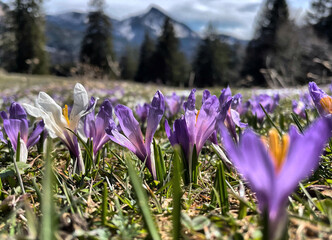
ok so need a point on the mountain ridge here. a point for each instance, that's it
(65, 31)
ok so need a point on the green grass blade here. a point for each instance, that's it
(47, 208)
(297, 122)
(177, 194)
(18, 152)
(104, 205)
(194, 172)
(159, 161)
(270, 120)
(142, 201)
(221, 187)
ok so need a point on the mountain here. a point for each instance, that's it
(65, 32)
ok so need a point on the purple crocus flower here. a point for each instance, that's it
(227, 115)
(173, 104)
(194, 128)
(94, 126)
(133, 137)
(142, 111)
(307, 100)
(322, 101)
(305, 103)
(269, 103)
(16, 123)
(237, 101)
(273, 168)
(299, 108)
(243, 108)
(213, 138)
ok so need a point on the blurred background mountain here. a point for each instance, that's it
(153, 47)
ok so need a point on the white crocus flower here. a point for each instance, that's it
(57, 121)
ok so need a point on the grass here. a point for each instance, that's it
(118, 199)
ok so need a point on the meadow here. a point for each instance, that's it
(80, 181)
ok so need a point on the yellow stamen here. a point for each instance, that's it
(326, 103)
(197, 116)
(65, 113)
(278, 148)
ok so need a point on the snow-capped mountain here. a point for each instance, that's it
(65, 32)
(151, 21)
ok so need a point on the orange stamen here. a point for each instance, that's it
(278, 148)
(197, 116)
(65, 113)
(326, 103)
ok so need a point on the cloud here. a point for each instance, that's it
(234, 17)
(250, 7)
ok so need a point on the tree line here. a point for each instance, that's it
(279, 54)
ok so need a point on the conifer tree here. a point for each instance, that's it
(320, 17)
(7, 39)
(211, 61)
(29, 36)
(128, 63)
(274, 15)
(96, 47)
(168, 61)
(144, 70)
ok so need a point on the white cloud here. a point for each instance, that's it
(234, 17)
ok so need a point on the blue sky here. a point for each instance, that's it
(233, 17)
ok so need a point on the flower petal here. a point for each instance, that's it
(253, 162)
(206, 95)
(15, 126)
(183, 138)
(156, 112)
(299, 163)
(225, 95)
(206, 121)
(236, 119)
(130, 127)
(35, 135)
(16, 111)
(81, 103)
(190, 115)
(171, 136)
(49, 107)
(317, 94)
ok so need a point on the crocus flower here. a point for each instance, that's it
(322, 101)
(273, 167)
(173, 104)
(305, 103)
(16, 123)
(243, 108)
(269, 103)
(194, 128)
(58, 121)
(133, 137)
(307, 100)
(142, 112)
(94, 126)
(237, 101)
(227, 115)
(299, 108)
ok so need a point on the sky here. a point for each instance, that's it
(232, 17)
